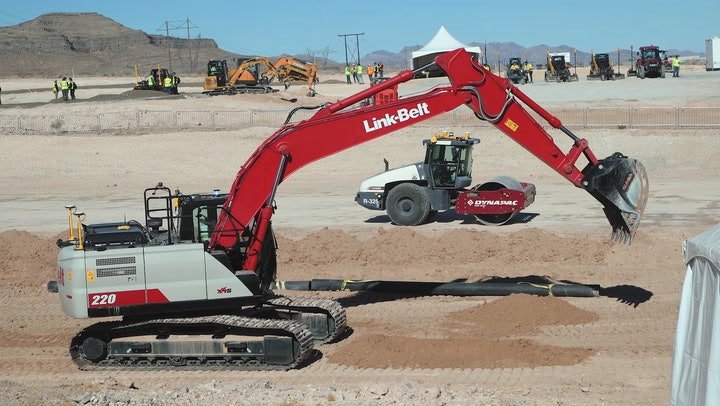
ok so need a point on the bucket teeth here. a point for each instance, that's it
(622, 236)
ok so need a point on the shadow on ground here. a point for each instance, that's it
(626, 294)
(450, 216)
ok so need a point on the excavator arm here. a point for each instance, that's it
(243, 73)
(550, 65)
(293, 69)
(618, 182)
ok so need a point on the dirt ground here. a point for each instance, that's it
(519, 350)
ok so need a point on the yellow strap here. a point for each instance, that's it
(539, 286)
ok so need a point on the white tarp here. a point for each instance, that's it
(696, 354)
(441, 42)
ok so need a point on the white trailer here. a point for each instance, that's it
(712, 53)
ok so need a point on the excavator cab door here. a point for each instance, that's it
(218, 69)
(198, 216)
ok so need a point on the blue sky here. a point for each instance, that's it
(293, 27)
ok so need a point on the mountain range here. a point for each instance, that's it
(66, 44)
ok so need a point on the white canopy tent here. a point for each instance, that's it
(696, 354)
(441, 42)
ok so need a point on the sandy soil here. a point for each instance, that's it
(614, 349)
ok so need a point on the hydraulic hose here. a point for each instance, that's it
(441, 288)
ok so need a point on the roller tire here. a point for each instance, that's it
(494, 184)
(408, 204)
(494, 219)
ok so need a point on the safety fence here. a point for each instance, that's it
(118, 122)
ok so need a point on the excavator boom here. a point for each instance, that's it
(293, 69)
(618, 182)
(244, 69)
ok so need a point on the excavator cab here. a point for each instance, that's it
(602, 61)
(198, 214)
(559, 65)
(216, 73)
(515, 72)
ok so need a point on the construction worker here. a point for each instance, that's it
(370, 73)
(528, 71)
(167, 85)
(151, 81)
(376, 70)
(353, 71)
(347, 74)
(64, 86)
(55, 88)
(676, 66)
(176, 82)
(359, 73)
(381, 68)
(72, 86)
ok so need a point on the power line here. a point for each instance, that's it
(15, 19)
(322, 52)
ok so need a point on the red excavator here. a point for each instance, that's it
(193, 284)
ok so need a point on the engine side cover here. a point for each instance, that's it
(112, 279)
(414, 172)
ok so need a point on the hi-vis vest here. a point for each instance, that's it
(167, 82)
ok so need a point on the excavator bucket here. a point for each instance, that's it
(621, 185)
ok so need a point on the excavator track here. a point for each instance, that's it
(325, 318)
(146, 345)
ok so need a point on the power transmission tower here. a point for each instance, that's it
(357, 46)
(168, 26)
(187, 25)
(167, 29)
(322, 53)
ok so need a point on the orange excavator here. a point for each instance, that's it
(192, 287)
(293, 69)
(251, 75)
(254, 75)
